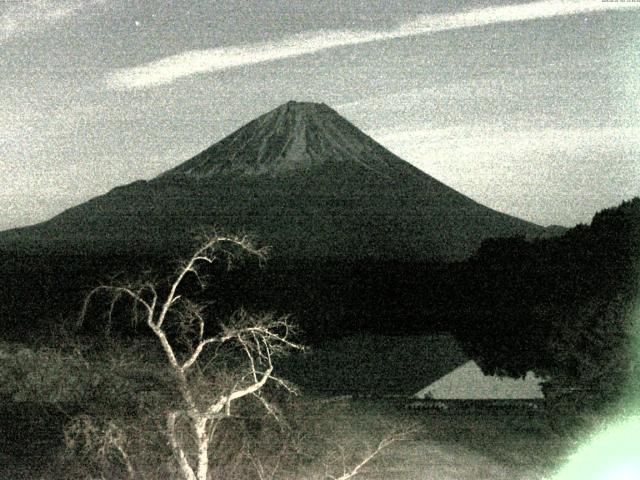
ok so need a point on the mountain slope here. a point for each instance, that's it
(303, 180)
(294, 136)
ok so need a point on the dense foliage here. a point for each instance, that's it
(563, 307)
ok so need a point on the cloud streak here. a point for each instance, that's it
(23, 17)
(174, 67)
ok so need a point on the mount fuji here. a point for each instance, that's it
(301, 179)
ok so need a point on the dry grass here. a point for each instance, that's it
(331, 437)
(446, 446)
(508, 445)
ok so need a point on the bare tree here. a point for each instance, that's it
(98, 443)
(257, 337)
(351, 471)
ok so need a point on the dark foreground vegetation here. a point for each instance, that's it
(565, 307)
(443, 445)
(198, 397)
(103, 388)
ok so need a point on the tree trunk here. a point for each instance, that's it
(183, 463)
(200, 426)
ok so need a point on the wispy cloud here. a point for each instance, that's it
(20, 17)
(171, 68)
(498, 141)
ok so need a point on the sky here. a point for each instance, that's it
(531, 108)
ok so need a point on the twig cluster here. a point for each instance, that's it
(260, 338)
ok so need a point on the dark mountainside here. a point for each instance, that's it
(300, 179)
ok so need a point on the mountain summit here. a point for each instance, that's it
(302, 180)
(294, 136)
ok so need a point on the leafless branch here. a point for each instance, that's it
(382, 445)
(199, 348)
(259, 337)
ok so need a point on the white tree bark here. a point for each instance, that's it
(260, 337)
(183, 464)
